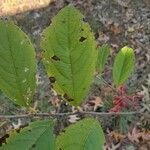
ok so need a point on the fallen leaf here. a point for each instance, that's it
(115, 28)
(117, 136)
(135, 135)
(112, 146)
(73, 118)
(145, 135)
(131, 29)
(55, 101)
(97, 102)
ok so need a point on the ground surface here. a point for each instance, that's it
(117, 23)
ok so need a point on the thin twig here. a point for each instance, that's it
(3, 117)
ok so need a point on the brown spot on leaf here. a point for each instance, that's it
(3, 139)
(18, 130)
(82, 39)
(52, 79)
(55, 58)
(68, 98)
(63, 131)
(21, 127)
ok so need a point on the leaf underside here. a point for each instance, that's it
(37, 136)
(69, 54)
(123, 65)
(17, 64)
(86, 134)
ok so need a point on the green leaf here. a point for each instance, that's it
(17, 64)
(86, 134)
(37, 136)
(69, 54)
(103, 54)
(123, 65)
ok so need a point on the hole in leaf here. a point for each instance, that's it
(33, 146)
(68, 98)
(55, 58)
(82, 39)
(63, 21)
(52, 79)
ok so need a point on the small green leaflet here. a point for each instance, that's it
(123, 65)
(69, 51)
(86, 134)
(17, 64)
(103, 54)
(37, 136)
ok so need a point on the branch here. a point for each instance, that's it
(52, 115)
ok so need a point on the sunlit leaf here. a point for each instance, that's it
(123, 65)
(69, 54)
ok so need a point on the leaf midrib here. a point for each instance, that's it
(69, 50)
(120, 74)
(40, 135)
(14, 66)
(88, 134)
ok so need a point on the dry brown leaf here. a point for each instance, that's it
(145, 134)
(112, 146)
(103, 37)
(97, 102)
(134, 135)
(55, 101)
(139, 135)
(73, 118)
(145, 146)
(33, 110)
(117, 136)
(115, 28)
